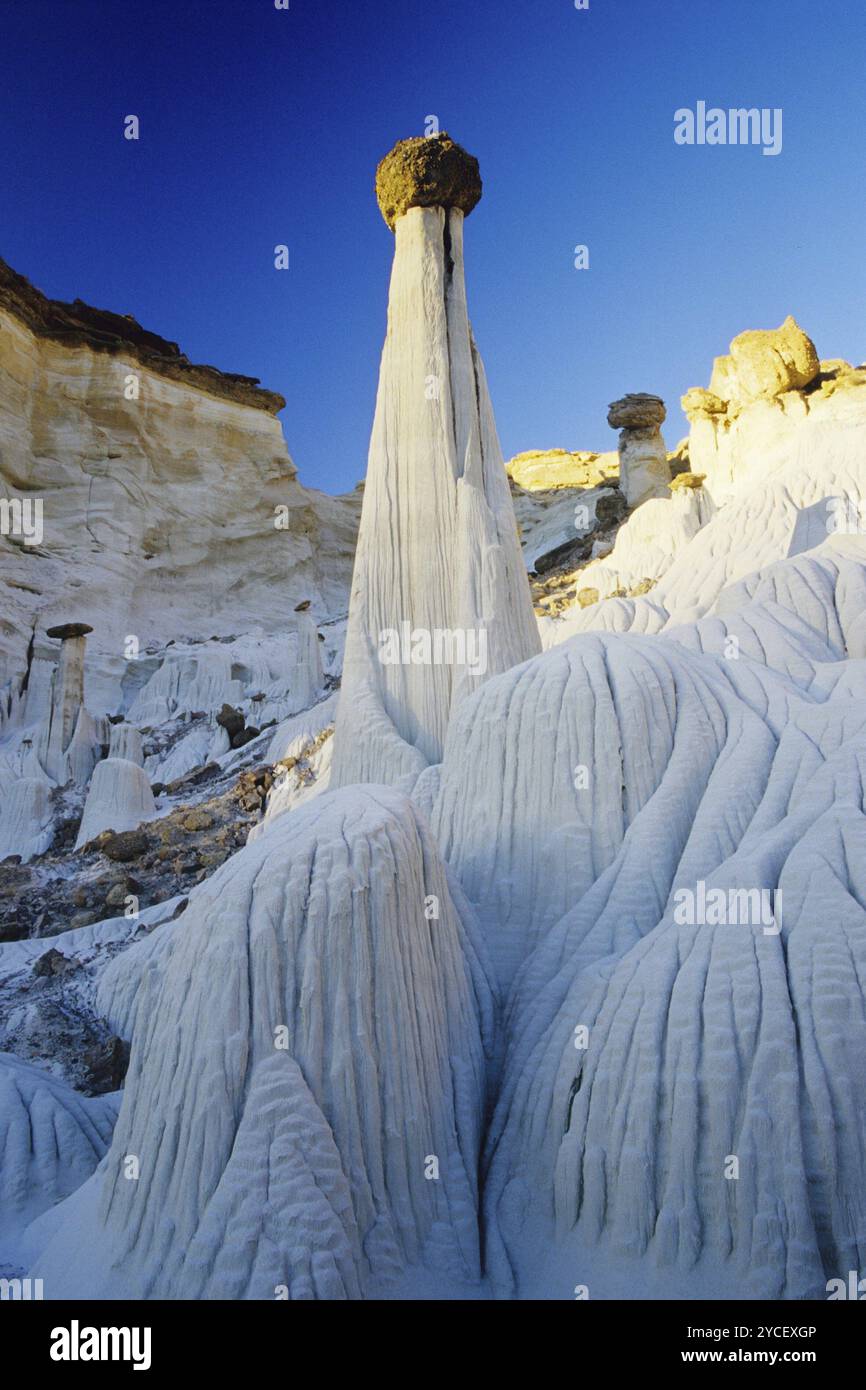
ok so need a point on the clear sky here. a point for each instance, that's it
(262, 126)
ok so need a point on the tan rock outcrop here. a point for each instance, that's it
(770, 397)
(170, 503)
(765, 363)
(540, 470)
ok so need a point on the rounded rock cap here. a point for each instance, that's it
(424, 172)
(639, 411)
(65, 630)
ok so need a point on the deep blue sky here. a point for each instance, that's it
(261, 126)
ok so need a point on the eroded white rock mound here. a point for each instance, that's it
(26, 819)
(172, 511)
(51, 1139)
(681, 1090)
(119, 798)
(306, 1059)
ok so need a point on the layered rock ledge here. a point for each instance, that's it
(80, 325)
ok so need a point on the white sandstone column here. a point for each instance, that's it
(440, 597)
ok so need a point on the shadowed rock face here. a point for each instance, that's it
(426, 172)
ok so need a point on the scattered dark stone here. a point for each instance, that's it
(303, 605)
(232, 720)
(53, 962)
(116, 718)
(107, 1065)
(244, 736)
(127, 845)
(66, 832)
(157, 788)
(194, 778)
(610, 508)
(120, 890)
(10, 860)
(570, 552)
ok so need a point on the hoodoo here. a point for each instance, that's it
(438, 546)
(643, 458)
(67, 697)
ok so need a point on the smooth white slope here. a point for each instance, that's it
(51, 1139)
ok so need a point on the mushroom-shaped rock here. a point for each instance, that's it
(644, 470)
(438, 566)
(425, 172)
(638, 411)
(67, 698)
(66, 630)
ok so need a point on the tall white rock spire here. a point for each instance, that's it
(440, 599)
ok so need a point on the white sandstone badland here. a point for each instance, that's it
(306, 1087)
(675, 1109)
(171, 514)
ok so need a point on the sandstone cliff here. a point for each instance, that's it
(169, 503)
